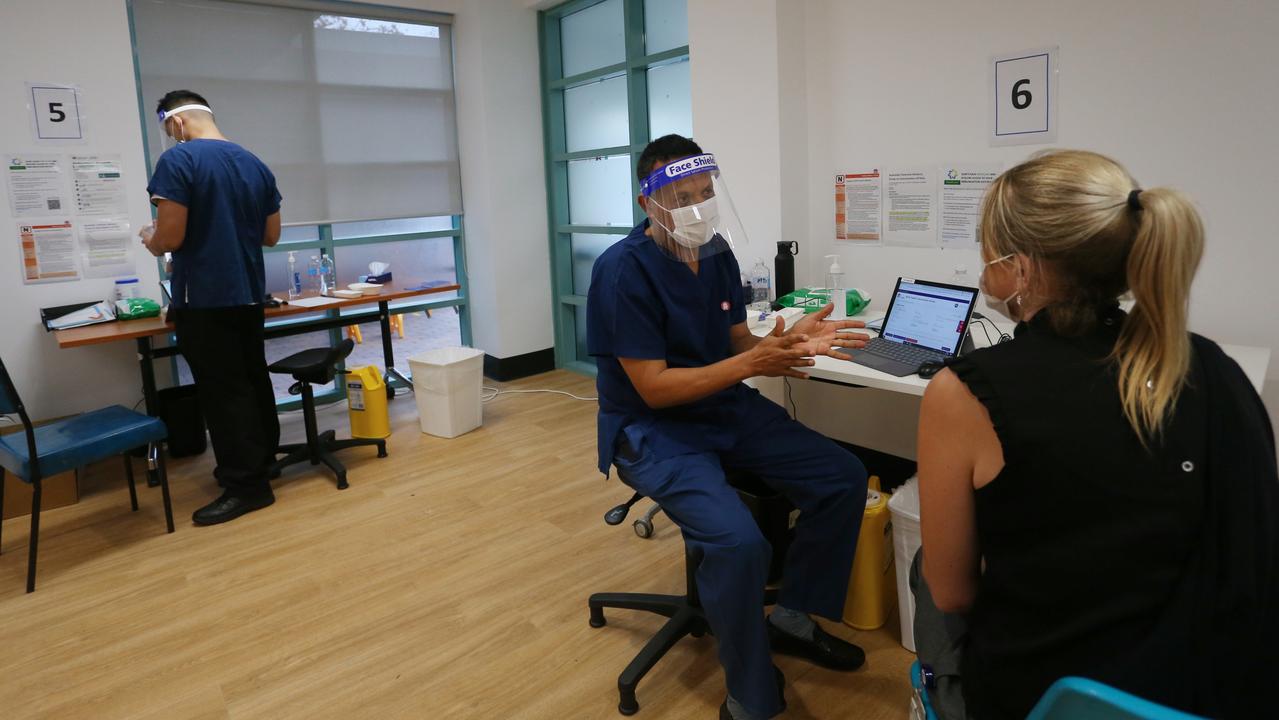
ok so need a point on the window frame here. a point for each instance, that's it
(635, 66)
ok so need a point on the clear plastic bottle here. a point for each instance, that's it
(761, 283)
(835, 286)
(313, 275)
(295, 280)
(328, 279)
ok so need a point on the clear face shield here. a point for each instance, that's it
(172, 133)
(691, 213)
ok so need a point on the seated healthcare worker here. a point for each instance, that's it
(666, 321)
(1099, 495)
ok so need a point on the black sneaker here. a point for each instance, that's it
(824, 649)
(231, 506)
(724, 714)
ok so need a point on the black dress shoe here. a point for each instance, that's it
(724, 714)
(230, 507)
(824, 649)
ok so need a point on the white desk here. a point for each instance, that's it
(1254, 361)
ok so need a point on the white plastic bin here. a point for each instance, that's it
(447, 385)
(904, 505)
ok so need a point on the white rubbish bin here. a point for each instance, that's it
(447, 385)
(904, 505)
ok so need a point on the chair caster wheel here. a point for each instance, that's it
(643, 528)
(342, 484)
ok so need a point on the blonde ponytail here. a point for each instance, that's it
(1074, 214)
(1153, 351)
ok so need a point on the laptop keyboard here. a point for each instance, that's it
(910, 354)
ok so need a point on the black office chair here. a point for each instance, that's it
(318, 366)
(771, 511)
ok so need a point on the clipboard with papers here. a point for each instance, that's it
(75, 315)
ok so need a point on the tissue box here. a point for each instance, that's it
(382, 279)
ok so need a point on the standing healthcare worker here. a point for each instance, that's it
(666, 321)
(217, 207)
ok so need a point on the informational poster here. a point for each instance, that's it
(57, 113)
(97, 183)
(48, 252)
(106, 247)
(37, 186)
(910, 207)
(858, 201)
(962, 190)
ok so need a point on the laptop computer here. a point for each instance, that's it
(926, 321)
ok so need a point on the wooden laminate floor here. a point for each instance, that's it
(449, 581)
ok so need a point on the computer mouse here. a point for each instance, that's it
(930, 368)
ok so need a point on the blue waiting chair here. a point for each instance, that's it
(1070, 698)
(1076, 698)
(72, 443)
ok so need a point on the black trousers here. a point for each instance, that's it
(226, 350)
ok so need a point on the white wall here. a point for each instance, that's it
(1182, 92)
(500, 137)
(92, 51)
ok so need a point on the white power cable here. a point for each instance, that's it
(494, 392)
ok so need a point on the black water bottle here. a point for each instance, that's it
(784, 267)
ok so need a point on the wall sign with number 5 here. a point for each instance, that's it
(1023, 98)
(57, 113)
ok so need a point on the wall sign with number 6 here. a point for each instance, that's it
(1023, 98)
(57, 113)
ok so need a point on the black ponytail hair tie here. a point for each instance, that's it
(1134, 201)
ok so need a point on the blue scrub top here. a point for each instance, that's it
(228, 193)
(645, 305)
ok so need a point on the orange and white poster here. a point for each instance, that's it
(49, 252)
(858, 199)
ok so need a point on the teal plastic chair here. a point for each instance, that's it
(72, 443)
(1076, 698)
(921, 708)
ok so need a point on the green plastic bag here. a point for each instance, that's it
(134, 308)
(812, 300)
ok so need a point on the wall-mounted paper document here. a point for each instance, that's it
(106, 248)
(962, 190)
(858, 201)
(36, 187)
(98, 184)
(910, 207)
(48, 253)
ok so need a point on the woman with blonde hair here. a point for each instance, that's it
(1099, 495)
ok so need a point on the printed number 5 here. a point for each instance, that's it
(1021, 98)
(56, 115)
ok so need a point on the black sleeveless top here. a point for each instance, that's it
(1085, 533)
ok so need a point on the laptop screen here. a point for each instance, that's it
(929, 314)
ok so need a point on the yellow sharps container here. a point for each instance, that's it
(872, 588)
(366, 396)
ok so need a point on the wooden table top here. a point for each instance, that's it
(132, 329)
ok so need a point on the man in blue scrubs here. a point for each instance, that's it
(666, 321)
(217, 207)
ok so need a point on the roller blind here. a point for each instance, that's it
(354, 113)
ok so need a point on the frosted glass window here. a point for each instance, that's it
(587, 247)
(599, 191)
(595, 115)
(579, 325)
(592, 38)
(670, 100)
(299, 233)
(402, 226)
(355, 116)
(665, 25)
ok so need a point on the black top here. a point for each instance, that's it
(1085, 534)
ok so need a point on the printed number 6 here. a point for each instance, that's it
(56, 115)
(1021, 98)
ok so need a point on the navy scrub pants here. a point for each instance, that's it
(826, 483)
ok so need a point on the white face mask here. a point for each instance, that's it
(695, 224)
(993, 303)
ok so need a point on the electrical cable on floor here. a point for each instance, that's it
(794, 412)
(494, 392)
